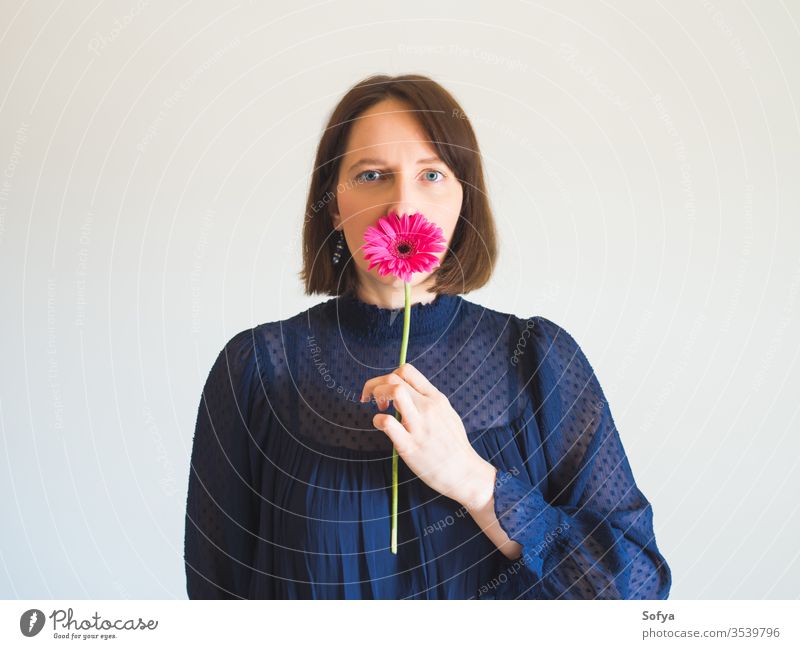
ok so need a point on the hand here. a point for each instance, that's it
(431, 438)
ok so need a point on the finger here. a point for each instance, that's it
(416, 379)
(370, 385)
(366, 391)
(401, 438)
(403, 397)
(409, 374)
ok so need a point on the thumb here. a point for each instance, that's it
(400, 437)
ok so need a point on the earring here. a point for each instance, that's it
(337, 255)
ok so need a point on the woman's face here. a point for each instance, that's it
(390, 165)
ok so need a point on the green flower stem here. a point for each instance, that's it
(403, 348)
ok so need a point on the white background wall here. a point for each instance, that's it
(154, 157)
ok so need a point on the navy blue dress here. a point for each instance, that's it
(290, 484)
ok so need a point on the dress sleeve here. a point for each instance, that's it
(592, 537)
(221, 507)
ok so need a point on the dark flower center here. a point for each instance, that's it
(404, 248)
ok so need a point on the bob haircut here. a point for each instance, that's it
(470, 260)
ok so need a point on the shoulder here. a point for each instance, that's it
(241, 358)
(541, 343)
(269, 342)
(559, 347)
(560, 362)
(547, 334)
(240, 345)
(293, 323)
(487, 317)
(557, 338)
(230, 358)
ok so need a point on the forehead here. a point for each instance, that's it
(389, 128)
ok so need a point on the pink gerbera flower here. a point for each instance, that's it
(402, 245)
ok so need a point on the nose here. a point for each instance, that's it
(402, 197)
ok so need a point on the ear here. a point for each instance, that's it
(335, 217)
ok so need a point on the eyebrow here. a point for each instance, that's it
(378, 161)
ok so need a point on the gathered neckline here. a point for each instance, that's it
(364, 321)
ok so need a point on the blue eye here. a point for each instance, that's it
(371, 175)
(361, 176)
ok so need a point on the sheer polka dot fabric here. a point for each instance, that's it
(290, 485)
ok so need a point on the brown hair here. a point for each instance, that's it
(469, 262)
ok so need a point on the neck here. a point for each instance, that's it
(392, 296)
(355, 319)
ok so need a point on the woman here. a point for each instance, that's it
(513, 481)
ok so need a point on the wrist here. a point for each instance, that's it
(479, 487)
